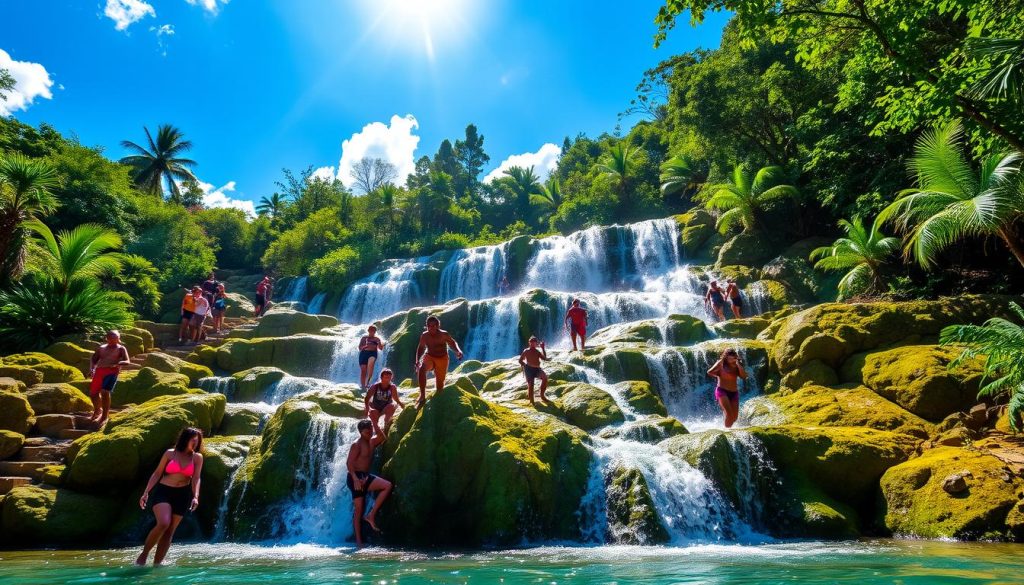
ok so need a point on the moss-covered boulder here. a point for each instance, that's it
(240, 419)
(672, 330)
(24, 374)
(57, 399)
(10, 443)
(648, 430)
(641, 397)
(588, 407)
(131, 443)
(168, 363)
(747, 328)
(16, 413)
(632, 515)
(253, 384)
(145, 384)
(918, 378)
(695, 229)
(284, 322)
(984, 506)
(746, 249)
(39, 516)
(343, 400)
(222, 456)
(814, 372)
(299, 355)
(163, 334)
(204, 355)
(51, 369)
(840, 407)
(468, 472)
(71, 354)
(238, 305)
(713, 454)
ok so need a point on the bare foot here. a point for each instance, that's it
(141, 560)
(420, 403)
(373, 523)
(544, 398)
(101, 422)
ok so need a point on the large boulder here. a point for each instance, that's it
(131, 443)
(468, 472)
(24, 374)
(648, 430)
(588, 407)
(695, 229)
(145, 384)
(10, 443)
(672, 330)
(57, 399)
(641, 397)
(51, 369)
(33, 516)
(746, 249)
(284, 322)
(919, 378)
(240, 419)
(162, 334)
(71, 354)
(402, 331)
(238, 305)
(16, 413)
(252, 385)
(168, 363)
(222, 456)
(632, 515)
(299, 355)
(343, 400)
(952, 492)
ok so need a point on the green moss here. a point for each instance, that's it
(299, 355)
(285, 322)
(146, 384)
(204, 355)
(643, 398)
(632, 515)
(24, 374)
(652, 430)
(162, 334)
(745, 249)
(402, 331)
(240, 420)
(252, 385)
(71, 354)
(587, 407)
(57, 399)
(168, 363)
(16, 413)
(674, 330)
(918, 378)
(711, 453)
(343, 400)
(916, 504)
(37, 516)
(10, 443)
(221, 458)
(748, 328)
(52, 370)
(814, 372)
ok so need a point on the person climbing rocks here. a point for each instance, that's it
(735, 298)
(369, 346)
(529, 361)
(220, 306)
(432, 354)
(382, 399)
(715, 299)
(359, 479)
(172, 492)
(575, 324)
(262, 296)
(209, 287)
(188, 307)
(104, 367)
(202, 308)
(727, 370)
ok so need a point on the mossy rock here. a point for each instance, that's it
(650, 430)
(135, 344)
(470, 473)
(72, 355)
(16, 413)
(57, 399)
(918, 378)
(222, 456)
(299, 355)
(632, 514)
(51, 369)
(588, 407)
(814, 372)
(988, 508)
(146, 384)
(240, 419)
(238, 305)
(672, 330)
(344, 400)
(10, 443)
(840, 407)
(284, 322)
(252, 385)
(168, 363)
(163, 334)
(24, 374)
(747, 328)
(642, 397)
(203, 355)
(712, 454)
(35, 516)
(617, 362)
(131, 443)
(746, 249)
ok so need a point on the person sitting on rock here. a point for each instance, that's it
(104, 368)
(432, 354)
(359, 479)
(735, 298)
(382, 398)
(715, 298)
(575, 323)
(727, 370)
(529, 361)
(175, 492)
(369, 346)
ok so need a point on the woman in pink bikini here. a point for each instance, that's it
(175, 492)
(728, 370)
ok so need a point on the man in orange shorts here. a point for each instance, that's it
(105, 365)
(435, 342)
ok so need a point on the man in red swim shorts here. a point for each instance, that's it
(105, 365)
(575, 323)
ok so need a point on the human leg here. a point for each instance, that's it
(383, 487)
(104, 405)
(422, 379)
(165, 541)
(389, 412)
(371, 364)
(543, 385)
(362, 376)
(723, 403)
(162, 512)
(357, 518)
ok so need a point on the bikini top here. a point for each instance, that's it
(367, 340)
(173, 467)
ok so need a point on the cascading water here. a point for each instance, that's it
(296, 291)
(474, 273)
(217, 385)
(316, 304)
(382, 293)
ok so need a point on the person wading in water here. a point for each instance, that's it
(175, 492)
(432, 354)
(727, 370)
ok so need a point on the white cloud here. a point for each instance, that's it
(166, 30)
(395, 143)
(31, 80)
(211, 6)
(543, 162)
(126, 12)
(325, 173)
(219, 198)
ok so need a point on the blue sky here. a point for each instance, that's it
(261, 85)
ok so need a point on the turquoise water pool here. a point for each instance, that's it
(866, 563)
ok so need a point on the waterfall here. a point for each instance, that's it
(382, 293)
(474, 273)
(316, 304)
(217, 385)
(296, 290)
(345, 361)
(493, 329)
(289, 386)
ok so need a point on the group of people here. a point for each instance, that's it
(716, 297)
(201, 302)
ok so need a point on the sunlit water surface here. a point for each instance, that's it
(865, 563)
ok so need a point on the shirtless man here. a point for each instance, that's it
(360, 481)
(382, 398)
(735, 298)
(104, 367)
(435, 342)
(575, 323)
(529, 360)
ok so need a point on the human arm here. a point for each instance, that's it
(366, 403)
(152, 480)
(92, 361)
(353, 455)
(543, 351)
(454, 345)
(123, 354)
(422, 347)
(522, 359)
(379, 437)
(397, 400)
(715, 369)
(196, 478)
(742, 372)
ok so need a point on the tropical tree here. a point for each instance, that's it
(617, 165)
(999, 341)
(862, 253)
(25, 194)
(525, 183)
(952, 201)
(161, 162)
(1004, 77)
(678, 175)
(66, 297)
(549, 195)
(744, 199)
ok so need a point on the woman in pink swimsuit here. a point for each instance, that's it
(728, 369)
(175, 492)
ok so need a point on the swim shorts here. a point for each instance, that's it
(729, 395)
(103, 379)
(365, 355)
(436, 363)
(363, 476)
(532, 373)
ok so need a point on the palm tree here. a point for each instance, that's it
(677, 175)
(616, 166)
(952, 201)
(84, 252)
(161, 162)
(745, 198)
(549, 195)
(861, 253)
(25, 186)
(272, 206)
(525, 183)
(999, 341)
(1004, 77)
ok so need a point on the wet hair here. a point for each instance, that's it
(186, 436)
(364, 424)
(730, 353)
(433, 319)
(575, 301)
(114, 332)
(387, 371)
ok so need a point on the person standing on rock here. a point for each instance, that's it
(728, 370)
(262, 295)
(382, 399)
(715, 298)
(359, 479)
(220, 306)
(202, 308)
(369, 345)
(735, 299)
(188, 307)
(575, 323)
(529, 361)
(104, 368)
(432, 354)
(210, 287)
(175, 492)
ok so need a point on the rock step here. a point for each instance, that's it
(73, 434)
(49, 425)
(8, 483)
(32, 469)
(54, 452)
(131, 367)
(139, 358)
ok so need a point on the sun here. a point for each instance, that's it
(419, 25)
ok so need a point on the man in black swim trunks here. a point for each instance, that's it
(382, 398)
(529, 360)
(735, 298)
(361, 482)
